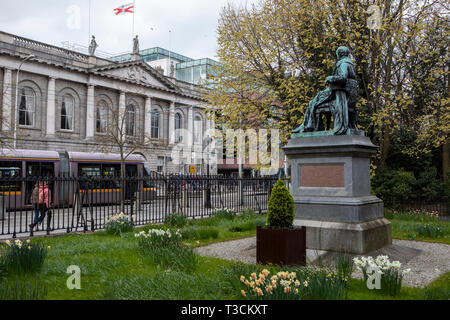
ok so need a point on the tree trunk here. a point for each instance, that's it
(385, 142)
(446, 159)
(122, 184)
(385, 138)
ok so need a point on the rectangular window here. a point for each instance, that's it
(9, 169)
(111, 170)
(131, 170)
(129, 121)
(40, 169)
(89, 170)
(155, 124)
(196, 74)
(198, 130)
(178, 126)
(67, 109)
(27, 108)
(101, 119)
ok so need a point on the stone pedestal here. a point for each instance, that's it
(330, 183)
(92, 60)
(135, 57)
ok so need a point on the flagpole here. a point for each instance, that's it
(134, 12)
(170, 45)
(89, 38)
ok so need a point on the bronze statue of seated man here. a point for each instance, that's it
(339, 100)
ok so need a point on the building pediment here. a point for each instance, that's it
(139, 72)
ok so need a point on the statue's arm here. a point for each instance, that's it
(341, 76)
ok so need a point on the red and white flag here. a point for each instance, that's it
(126, 8)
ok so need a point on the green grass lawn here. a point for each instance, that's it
(112, 267)
(418, 227)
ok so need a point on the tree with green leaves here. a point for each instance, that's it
(276, 55)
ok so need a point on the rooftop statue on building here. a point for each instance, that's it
(92, 46)
(338, 101)
(136, 45)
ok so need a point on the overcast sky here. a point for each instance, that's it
(193, 23)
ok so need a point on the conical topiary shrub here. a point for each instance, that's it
(280, 210)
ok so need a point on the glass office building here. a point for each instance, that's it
(153, 54)
(186, 69)
(193, 71)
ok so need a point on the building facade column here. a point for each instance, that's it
(207, 123)
(122, 102)
(51, 107)
(147, 118)
(7, 100)
(212, 128)
(90, 113)
(172, 123)
(209, 132)
(190, 137)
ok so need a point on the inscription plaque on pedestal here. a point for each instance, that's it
(322, 175)
(331, 191)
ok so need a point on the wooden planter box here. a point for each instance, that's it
(281, 246)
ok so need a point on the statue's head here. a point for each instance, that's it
(342, 52)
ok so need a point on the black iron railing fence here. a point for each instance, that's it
(84, 203)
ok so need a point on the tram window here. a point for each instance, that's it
(131, 170)
(10, 169)
(47, 169)
(9, 172)
(111, 170)
(89, 170)
(40, 169)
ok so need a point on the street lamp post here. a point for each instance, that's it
(208, 185)
(17, 93)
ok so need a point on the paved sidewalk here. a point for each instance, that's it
(426, 260)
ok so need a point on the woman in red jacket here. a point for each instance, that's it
(44, 203)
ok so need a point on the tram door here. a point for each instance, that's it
(36, 170)
(130, 184)
(8, 186)
(131, 170)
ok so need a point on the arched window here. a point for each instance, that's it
(67, 111)
(27, 107)
(198, 129)
(130, 120)
(178, 127)
(101, 117)
(155, 124)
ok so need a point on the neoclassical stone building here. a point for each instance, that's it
(63, 97)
